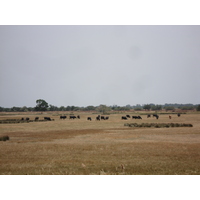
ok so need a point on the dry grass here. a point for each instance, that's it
(100, 147)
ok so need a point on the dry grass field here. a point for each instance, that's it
(74, 147)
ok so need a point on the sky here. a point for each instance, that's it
(91, 65)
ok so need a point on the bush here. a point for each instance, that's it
(198, 108)
(4, 138)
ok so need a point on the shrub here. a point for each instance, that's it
(172, 125)
(4, 138)
(198, 108)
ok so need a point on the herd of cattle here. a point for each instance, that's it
(98, 118)
(138, 117)
(36, 119)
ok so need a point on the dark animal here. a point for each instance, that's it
(89, 118)
(72, 117)
(63, 117)
(36, 118)
(27, 118)
(136, 117)
(102, 117)
(148, 116)
(98, 118)
(128, 116)
(106, 118)
(124, 118)
(178, 114)
(22, 118)
(170, 117)
(47, 118)
(78, 116)
(155, 115)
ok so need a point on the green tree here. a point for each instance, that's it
(198, 107)
(52, 108)
(15, 109)
(156, 107)
(103, 108)
(42, 105)
(89, 108)
(62, 108)
(147, 107)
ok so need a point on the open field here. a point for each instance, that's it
(99, 147)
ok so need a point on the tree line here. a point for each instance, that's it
(42, 105)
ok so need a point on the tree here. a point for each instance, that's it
(88, 108)
(103, 108)
(52, 108)
(62, 108)
(198, 107)
(147, 107)
(42, 105)
(156, 107)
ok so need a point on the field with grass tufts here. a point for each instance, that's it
(78, 146)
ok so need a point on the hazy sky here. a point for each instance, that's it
(93, 65)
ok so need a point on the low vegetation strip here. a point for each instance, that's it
(158, 125)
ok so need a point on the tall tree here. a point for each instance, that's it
(147, 107)
(42, 105)
(103, 108)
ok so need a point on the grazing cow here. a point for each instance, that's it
(98, 118)
(22, 118)
(78, 116)
(102, 117)
(36, 118)
(136, 117)
(148, 116)
(47, 118)
(63, 117)
(124, 118)
(72, 117)
(27, 118)
(128, 116)
(89, 118)
(178, 114)
(170, 117)
(155, 115)
(106, 118)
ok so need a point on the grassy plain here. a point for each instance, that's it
(99, 147)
